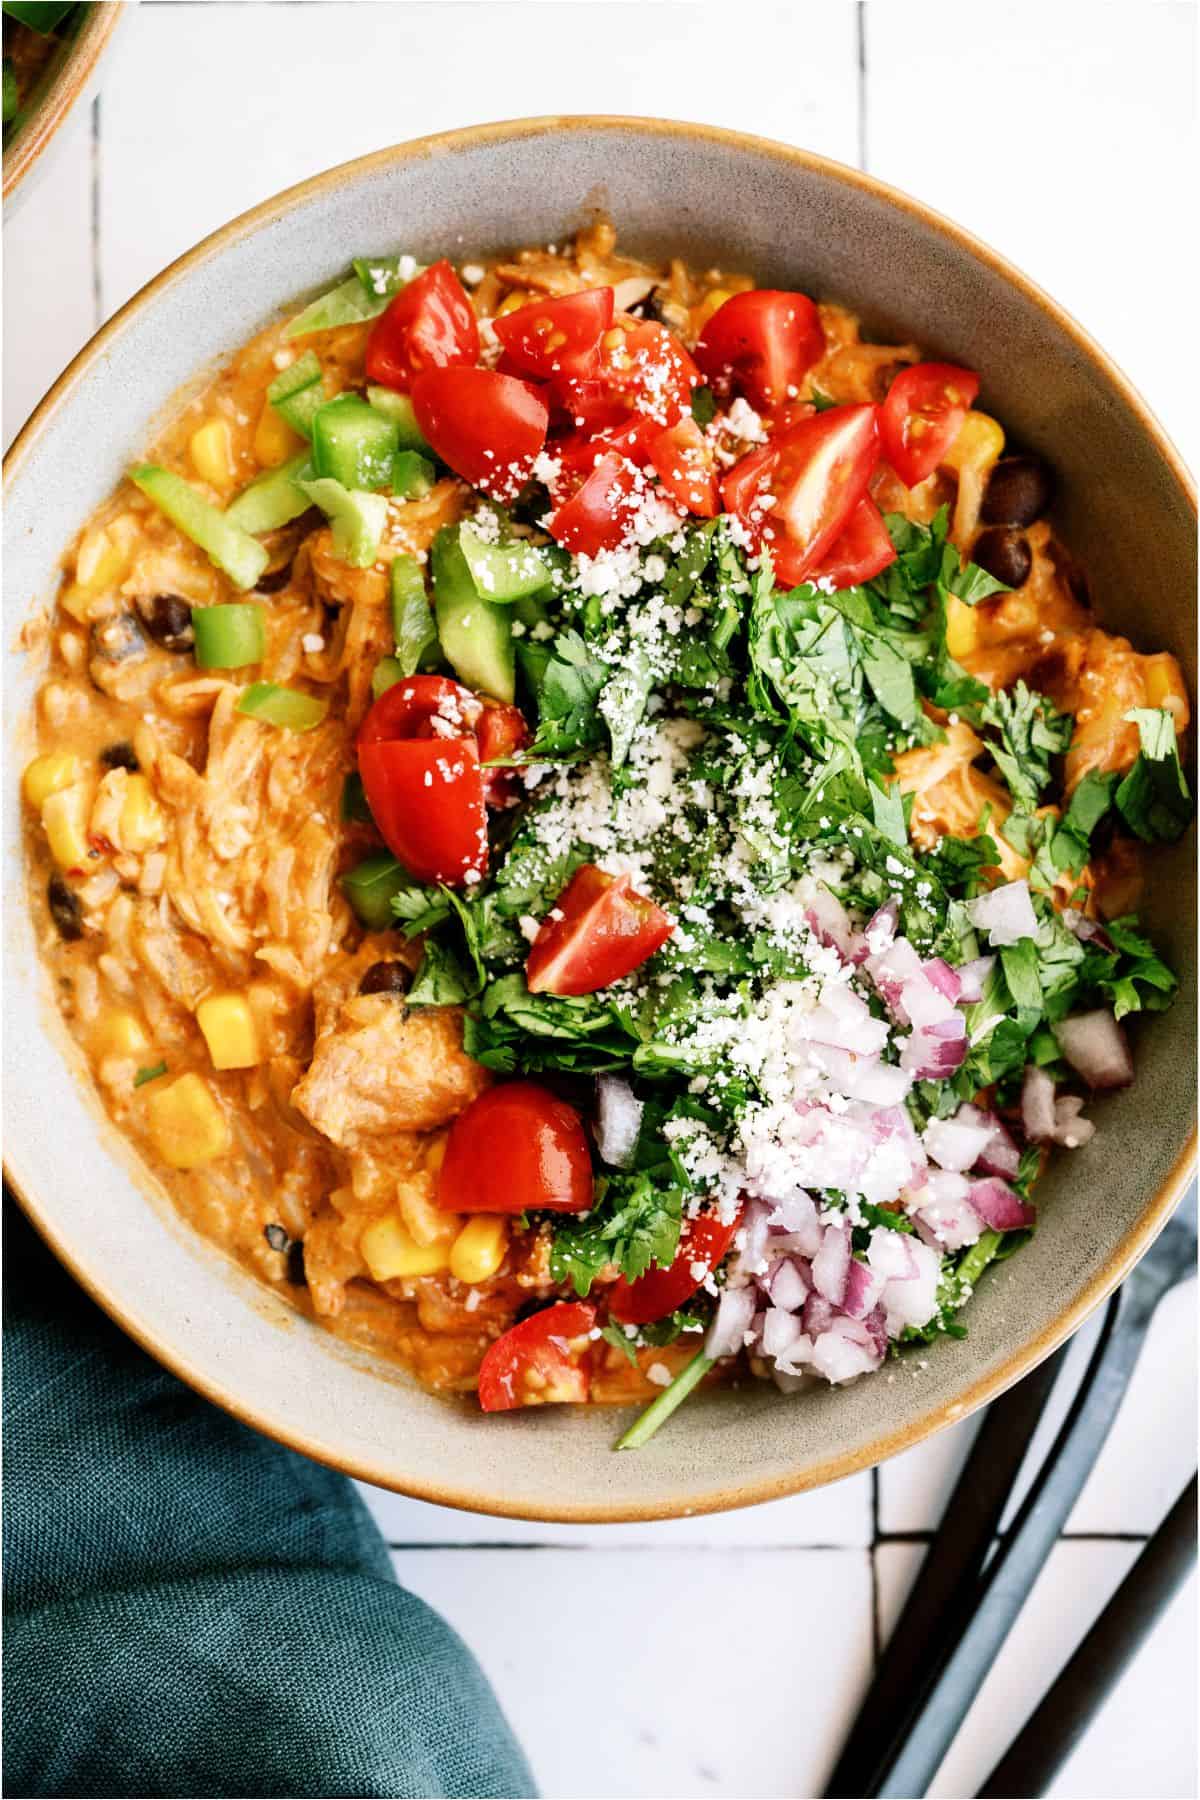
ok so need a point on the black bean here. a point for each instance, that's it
(1019, 491)
(1005, 554)
(169, 621)
(276, 1236)
(528, 1308)
(295, 1263)
(118, 639)
(385, 978)
(119, 756)
(274, 579)
(64, 909)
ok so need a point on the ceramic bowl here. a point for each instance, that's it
(1126, 507)
(66, 81)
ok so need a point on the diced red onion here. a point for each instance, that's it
(860, 1033)
(881, 927)
(830, 1264)
(862, 1077)
(955, 1144)
(1002, 1156)
(875, 1325)
(1088, 931)
(945, 979)
(911, 1299)
(1094, 1045)
(891, 1255)
(934, 1054)
(1005, 913)
(829, 919)
(863, 1288)
(731, 1322)
(797, 1217)
(845, 1351)
(1070, 1128)
(971, 977)
(891, 969)
(999, 1206)
(781, 1332)
(949, 1223)
(618, 1119)
(817, 1314)
(788, 1287)
(1037, 1105)
(924, 1005)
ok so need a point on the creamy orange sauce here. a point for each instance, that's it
(211, 852)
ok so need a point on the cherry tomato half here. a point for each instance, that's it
(550, 338)
(597, 515)
(429, 325)
(578, 455)
(641, 368)
(796, 493)
(544, 1359)
(703, 1242)
(683, 461)
(488, 427)
(419, 762)
(922, 416)
(517, 1148)
(761, 344)
(604, 930)
(862, 550)
(501, 731)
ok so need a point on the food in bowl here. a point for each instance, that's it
(35, 33)
(587, 830)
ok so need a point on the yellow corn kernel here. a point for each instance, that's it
(274, 439)
(962, 627)
(479, 1248)
(49, 774)
(711, 303)
(65, 814)
(228, 1027)
(979, 444)
(425, 1222)
(77, 601)
(104, 554)
(390, 1252)
(211, 451)
(187, 1125)
(1165, 686)
(513, 303)
(143, 826)
(121, 1033)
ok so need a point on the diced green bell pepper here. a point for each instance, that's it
(386, 673)
(286, 707)
(412, 475)
(358, 519)
(476, 634)
(399, 408)
(230, 636)
(298, 392)
(273, 499)
(231, 549)
(412, 616)
(355, 810)
(505, 572)
(353, 444)
(370, 886)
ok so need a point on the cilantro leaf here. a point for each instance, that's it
(1032, 730)
(441, 980)
(1154, 799)
(567, 682)
(635, 1222)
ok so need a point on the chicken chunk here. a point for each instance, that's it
(380, 1068)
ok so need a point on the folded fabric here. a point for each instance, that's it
(192, 1609)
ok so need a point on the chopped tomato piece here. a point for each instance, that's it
(597, 515)
(761, 344)
(501, 732)
(419, 762)
(560, 337)
(603, 931)
(683, 461)
(703, 1242)
(542, 1360)
(517, 1148)
(429, 325)
(863, 549)
(795, 494)
(578, 455)
(641, 368)
(922, 416)
(488, 427)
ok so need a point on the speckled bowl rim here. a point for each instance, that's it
(42, 125)
(1141, 1232)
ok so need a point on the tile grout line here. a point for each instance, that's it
(860, 19)
(876, 1634)
(740, 1549)
(97, 279)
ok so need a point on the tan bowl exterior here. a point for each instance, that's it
(1128, 508)
(69, 85)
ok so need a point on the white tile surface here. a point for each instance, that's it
(1144, 1743)
(838, 1515)
(600, 1660)
(1060, 132)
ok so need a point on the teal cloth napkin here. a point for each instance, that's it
(192, 1609)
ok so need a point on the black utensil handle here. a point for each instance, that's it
(942, 1596)
(908, 1767)
(1054, 1728)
